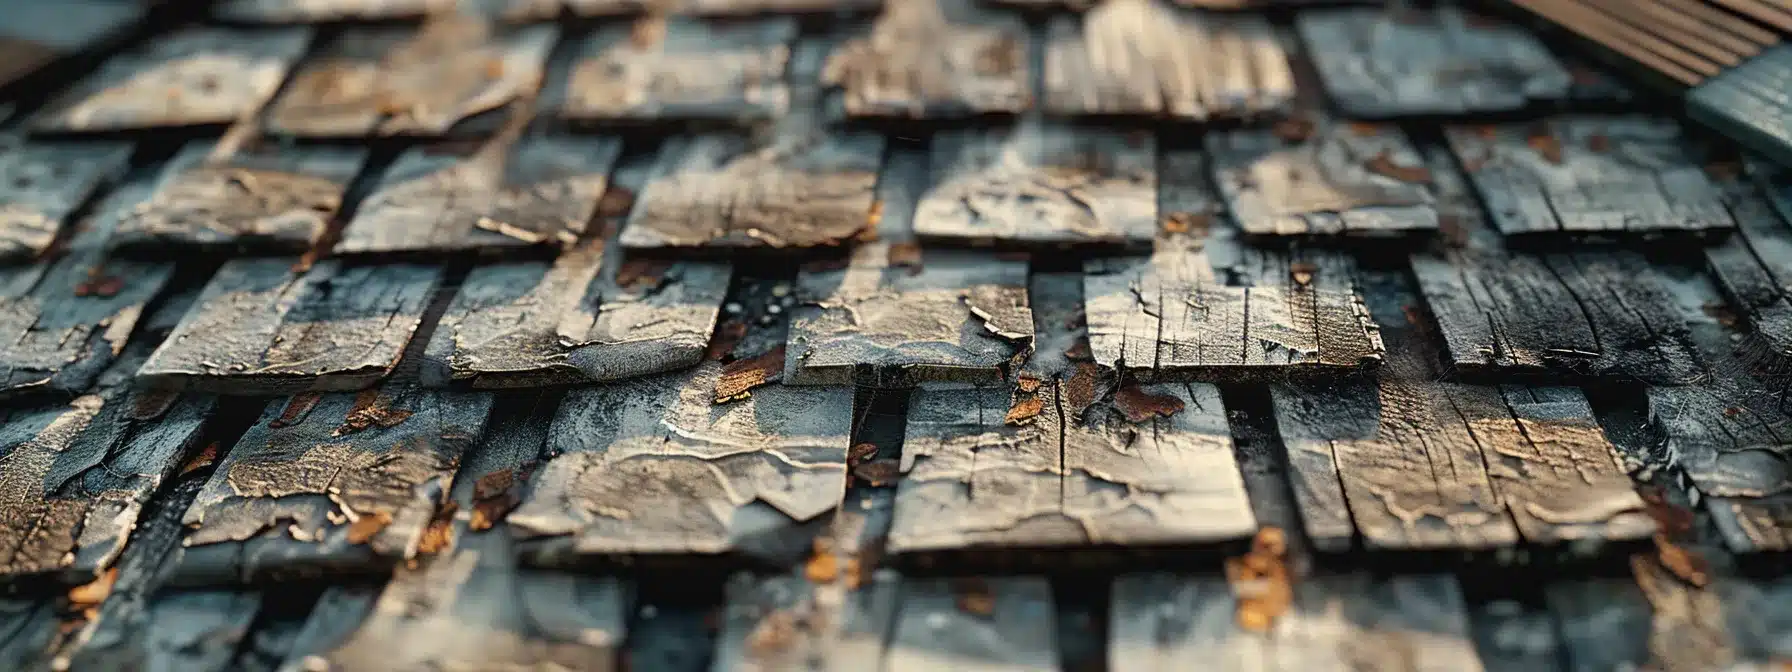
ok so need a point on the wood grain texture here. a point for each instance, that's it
(1590, 176)
(678, 69)
(1407, 623)
(1167, 316)
(1147, 58)
(653, 466)
(1041, 184)
(1337, 180)
(507, 193)
(201, 76)
(65, 321)
(320, 11)
(331, 483)
(1753, 265)
(41, 185)
(1732, 437)
(262, 326)
(257, 198)
(1576, 312)
(424, 81)
(992, 624)
(1405, 62)
(528, 324)
(976, 476)
(958, 316)
(933, 59)
(78, 474)
(801, 187)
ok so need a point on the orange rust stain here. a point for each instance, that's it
(1260, 581)
(204, 458)
(1188, 222)
(368, 526)
(296, 408)
(1138, 405)
(642, 274)
(905, 255)
(371, 410)
(860, 454)
(1546, 144)
(1025, 409)
(439, 536)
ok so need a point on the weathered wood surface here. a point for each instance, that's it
(65, 321)
(1060, 332)
(331, 483)
(785, 622)
(1147, 58)
(1514, 636)
(424, 81)
(653, 466)
(1004, 624)
(1041, 184)
(802, 187)
(1382, 63)
(1587, 312)
(262, 197)
(947, 316)
(1590, 176)
(40, 32)
(677, 69)
(1167, 316)
(76, 474)
(1055, 468)
(1410, 463)
(1754, 265)
(43, 183)
(586, 317)
(1320, 178)
(509, 192)
(263, 326)
(1407, 623)
(1654, 620)
(321, 11)
(933, 59)
(202, 76)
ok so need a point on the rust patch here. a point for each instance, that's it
(1599, 142)
(1684, 564)
(1545, 143)
(741, 376)
(1026, 408)
(1383, 165)
(370, 411)
(1138, 405)
(875, 216)
(206, 457)
(823, 565)
(726, 337)
(1083, 388)
(368, 526)
(906, 256)
(860, 454)
(439, 536)
(1188, 222)
(1029, 384)
(297, 408)
(878, 473)
(1294, 129)
(974, 597)
(1260, 581)
(494, 496)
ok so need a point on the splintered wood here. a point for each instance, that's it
(1408, 623)
(1590, 176)
(503, 194)
(262, 198)
(800, 189)
(653, 467)
(198, 77)
(1383, 63)
(683, 70)
(411, 81)
(1041, 184)
(41, 185)
(1591, 312)
(1108, 475)
(340, 481)
(1167, 316)
(932, 59)
(1145, 58)
(1318, 178)
(959, 317)
(577, 319)
(263, 326)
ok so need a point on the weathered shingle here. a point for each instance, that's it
(202, 76)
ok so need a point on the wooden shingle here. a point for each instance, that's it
(43, 183)
(933, 59)
(679, 69)
(1320, 179)
(198, 77)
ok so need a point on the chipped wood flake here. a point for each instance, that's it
(202, 76)
(424, 81)
(963, 317)
(1385, 63)
(651, 466)
(933, 59)
(506, 193)
(1041, 184)
(1146, 58)
(972, 481)
(261, 198)
(260, 326)
(1650, 181)
(1337, 180)
(679, 69)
